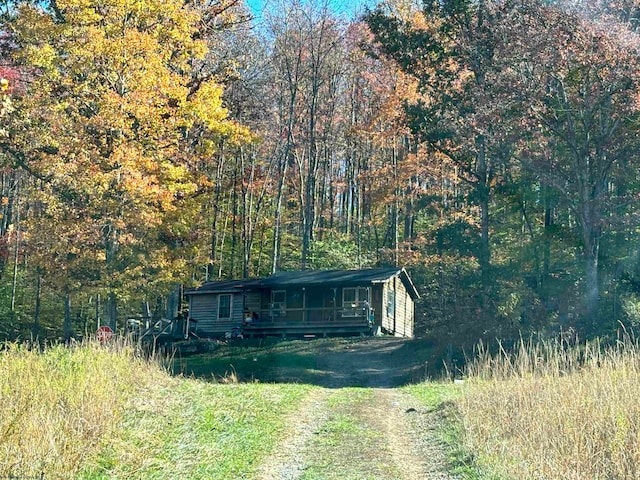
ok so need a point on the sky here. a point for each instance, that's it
(350, 8)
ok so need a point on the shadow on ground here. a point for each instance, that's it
(380, 362)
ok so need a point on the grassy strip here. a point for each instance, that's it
(346, 446)
(197, 430)
(442, 399)
(555, 412)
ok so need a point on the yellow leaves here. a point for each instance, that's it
(43, 56)
(206, 105)
(111, 93)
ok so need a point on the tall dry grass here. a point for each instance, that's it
(59, 406)
(549, 411)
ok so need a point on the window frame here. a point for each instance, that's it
(230, 297)
(276, 292)
(358, 299)
(391, 303)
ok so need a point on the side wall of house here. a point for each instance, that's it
(404, 310)
(203, 309)
(377, 302)
(397, 309)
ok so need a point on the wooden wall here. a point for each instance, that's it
(204, 310)
(395, 316)
(398, 313)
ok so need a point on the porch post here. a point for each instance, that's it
(305, 315)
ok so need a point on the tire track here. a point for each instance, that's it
(287, 461)
(392, 439)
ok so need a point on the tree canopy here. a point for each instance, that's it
(490, 147)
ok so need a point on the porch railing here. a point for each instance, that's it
(340, 315)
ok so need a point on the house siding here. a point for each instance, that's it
(404, 310)
(203, 309)
(387, 318)
(397, 309)
(309, 303)
(377, 303)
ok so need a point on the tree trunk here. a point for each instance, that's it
(234, 220)
(67, 330)
(482, 189)
(16, 253)
(211, 271)
(548, 224)
(275, 256)
(112, 311)
(35, 329)
(591, 239)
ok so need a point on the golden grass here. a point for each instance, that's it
(57, 407)
(550, 411)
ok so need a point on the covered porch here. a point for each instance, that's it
(313, 311)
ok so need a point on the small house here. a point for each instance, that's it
(311, 303)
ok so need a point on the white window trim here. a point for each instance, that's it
(273, 297)
(358, 300)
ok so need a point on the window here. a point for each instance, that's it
(353, 297)
(224, 307)
(278, 307)
(279, 296)
(348, 296)
(391, 303)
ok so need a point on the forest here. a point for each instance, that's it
(488, 146)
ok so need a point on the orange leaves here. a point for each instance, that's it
(115, 120)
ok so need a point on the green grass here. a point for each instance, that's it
(345, 447)
(199, 431)
(442, 398)
(93, 412)
(248, 361)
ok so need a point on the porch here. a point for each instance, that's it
(309, 322)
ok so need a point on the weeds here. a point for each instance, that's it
(56, 407)
(553, 411)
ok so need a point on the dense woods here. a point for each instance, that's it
(489, 147)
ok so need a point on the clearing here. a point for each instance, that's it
(361, 421)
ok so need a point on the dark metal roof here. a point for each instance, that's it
(342, 278)
(223, 286)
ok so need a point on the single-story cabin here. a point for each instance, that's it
(318, 302)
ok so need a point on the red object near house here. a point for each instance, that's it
(104, 334)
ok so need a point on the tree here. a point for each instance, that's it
(451, 48)
(112, 124)
(307, 60)
(580, 87)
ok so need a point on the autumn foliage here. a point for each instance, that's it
(490, 147)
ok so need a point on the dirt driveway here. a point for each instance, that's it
(372, 362)
(355, 425)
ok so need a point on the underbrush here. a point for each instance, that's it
(550, 411)
(58, 406)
